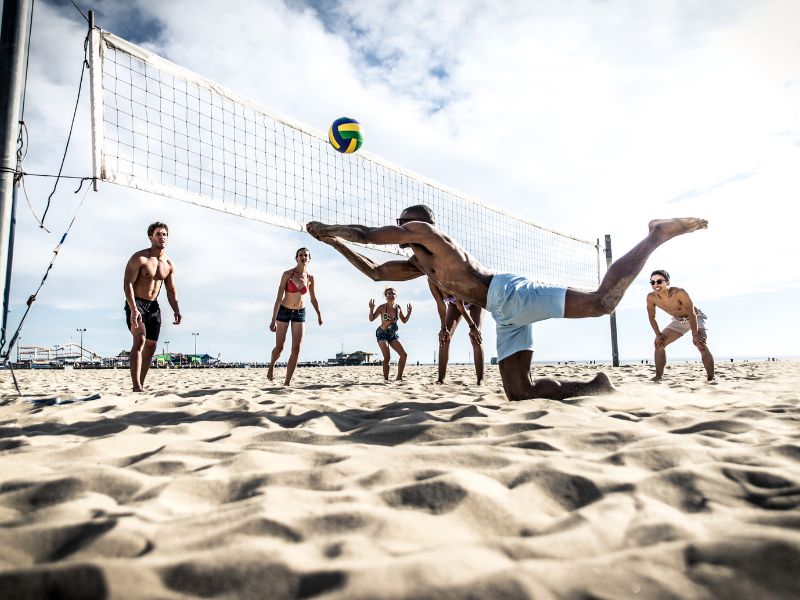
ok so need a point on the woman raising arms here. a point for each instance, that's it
(386, 333)
(290, 310)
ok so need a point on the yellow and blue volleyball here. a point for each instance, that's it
(345, 135)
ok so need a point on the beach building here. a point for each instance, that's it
(68, 354)
(177, 358)
(359, 357)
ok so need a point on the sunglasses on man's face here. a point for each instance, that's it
(403, 221)
(656, 282)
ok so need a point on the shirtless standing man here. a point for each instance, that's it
(685, 317)
(514, 301)
(143, 276)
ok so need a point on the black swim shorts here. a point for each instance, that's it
(291, 315)
(151, 317)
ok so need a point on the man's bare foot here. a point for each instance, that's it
(666, 229)
(138, 390)
(561, 390)
(269, 373)
(399, 379)
(600, 384)
(656, 379)
(287, 384)
(439, 382)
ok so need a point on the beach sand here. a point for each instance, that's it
(217, 484)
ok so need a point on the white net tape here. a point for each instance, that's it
(160, 128)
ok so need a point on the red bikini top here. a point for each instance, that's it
(292, 288)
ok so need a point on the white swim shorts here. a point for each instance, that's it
(682, 325)
(515, 302)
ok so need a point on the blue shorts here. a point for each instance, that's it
(387, 335)
(515, 302)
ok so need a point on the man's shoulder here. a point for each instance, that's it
(421, 227)
(140, 255)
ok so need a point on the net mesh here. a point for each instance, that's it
(160, 128)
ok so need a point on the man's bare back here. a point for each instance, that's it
(452, 269)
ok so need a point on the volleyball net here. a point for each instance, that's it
(159, 128)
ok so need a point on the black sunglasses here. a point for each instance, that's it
(401, 221)
(656, 282)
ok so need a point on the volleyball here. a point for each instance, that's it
(345, 135)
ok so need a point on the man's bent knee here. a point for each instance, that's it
(513, 394)
(515, 375)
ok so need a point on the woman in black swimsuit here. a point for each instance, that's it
(290, 310)
(386, 333)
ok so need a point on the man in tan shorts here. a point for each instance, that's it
(685, 317)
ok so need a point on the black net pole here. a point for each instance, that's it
(12, 62)
(614, 346)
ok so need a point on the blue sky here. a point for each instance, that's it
(591, 118)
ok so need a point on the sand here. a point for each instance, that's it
(218, 484)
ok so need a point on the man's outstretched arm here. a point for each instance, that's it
(395, 270)
(393, 234)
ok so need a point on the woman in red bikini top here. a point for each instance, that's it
(290, 311)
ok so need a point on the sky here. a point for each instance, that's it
(588, 117)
